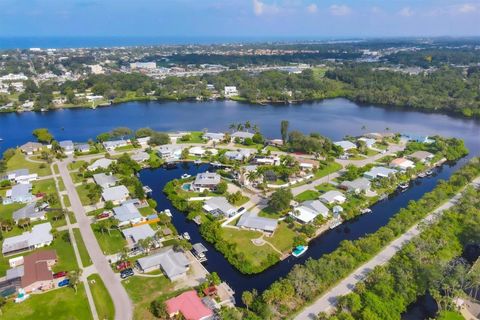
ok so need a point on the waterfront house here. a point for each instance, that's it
(20, 193)
(137, 233)
(38, 237)
(29, 212)
(230, 91)
(373, 135)
(143, 141)
(402, 164)
(345, 145)
(251, 221)
(379, 172)
(357, 185)
(241, 135)
(214, 136)
(30, 147)
(206, 181)
(82, 147)
(37, 271)
(189, 306)
(197, 151)
(103, 163)
(127, 214)
(239, 155)
(174, 264)
(307, 211)
(170, 151)
(140, 156)
(114, 144)
(22, 176)
(219, 207)
(368, 142)
(104, 180)
(332, 196)
(116, 194)
(270, 160)
(416, 138)
(422, 156)
(67, 147)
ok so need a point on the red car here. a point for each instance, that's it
(60, 274)
(122, 265)
(40, 195)
(103, 215)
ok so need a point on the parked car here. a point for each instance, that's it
(60, 274)
(126, 273)
(103, 215)
(64, 282)
(122, 265)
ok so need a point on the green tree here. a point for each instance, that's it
(43, 135)
(280, 200)
(284, 130)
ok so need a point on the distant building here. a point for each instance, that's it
(402, 164)
(140, 156)
(137, 233)
(30, 147)
(422, 156)
(170, 151)
(67, 146)
(357, 185)
(379, 172)
(82, 147)
(242, 135)
(143, 65)
(230, 91)
(213, 136)
(345, 145)
(239, 155)
(114, 144)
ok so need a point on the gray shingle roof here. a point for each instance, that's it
(251, 221)
(28, 212)
(173, 263)
(40, 234)
(139, 232)
(105, 180)
(127, 212)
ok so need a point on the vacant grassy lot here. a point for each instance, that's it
(195, 137)
(76, 165)
(82, 250)
(18, 161)
(307, 195)
(110, 243)
(328, 169)
(83, 191)
(103, 301)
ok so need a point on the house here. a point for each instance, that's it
(422, 156)
(137, 233)
(214, 136)
(37, 271)
(241, 135)
(332, 196)
(219, 206)
(103, 163)
(114, 144)
(116, 194)
(271, 160)
(143, 141)
(29, 212)
(307, 164)
(345, 145)
(38, 237)
(309, 210)
(189, 305)
(379, 172)
(230, 91)
(30, 147)
(368, 142)
(104, 180)
(127, 214)
(373, 135)
(402, 164)
(251, 221)
(174, 264)
(22, 176)
(19, 193)
(357, 185)
(238, 155)
(82, 147)
(170, 151)
(197, 151)
(67, 146)
(140, 156)
(416, 138)
(206, 181)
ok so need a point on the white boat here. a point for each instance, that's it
(185, 176)
(197, 161)
(299, 250)
(422, 175)
(429, 172)
(167, 212)
(186, 236)
(335, 224)
(366, 210)
(403, 186)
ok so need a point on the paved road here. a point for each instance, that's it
(328, 301)
(121, 301)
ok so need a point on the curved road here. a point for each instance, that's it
(328, 301)
(121, 301)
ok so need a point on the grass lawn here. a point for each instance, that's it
(268, 212)
(61, 185)
(371, 152)
(55, 169)
(82, 250)
(74, 165)
(254, 254)
(76, 177)
(65, 253)
(103, 301)
(125, 148)
(330, 168)
(146, 211)
(71, 215)
(57, 304)
(307, 195)
(83, 194)
(143, 291)
(195, 137)
(273, 148)
(66, 201)
(6, 211)
(283, 237)
(45, 186)
(253, 146)
(241, 201)
(324, 187)
(18, 161)
(110, 243)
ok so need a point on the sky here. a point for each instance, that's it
(240, 18)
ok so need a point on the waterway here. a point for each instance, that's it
(333, 118)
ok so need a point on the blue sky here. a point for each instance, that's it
(239, 18)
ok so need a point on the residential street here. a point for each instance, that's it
(326, 302)
(122, 303)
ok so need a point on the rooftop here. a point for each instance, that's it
(252, 221)
(117, 193)
(189, 305)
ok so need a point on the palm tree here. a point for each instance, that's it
(74, 278)
(248, 125)
(240, 127)
(232, 126)
(255, 128)
(252, 176)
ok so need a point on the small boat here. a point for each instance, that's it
(366, 210)
(185, 176)
(197, 161)
(422, 175)
(335, 224)
(167, 212)
(216, 164)
(299, 250)
(403, 186)
(429, 172)
(1, 139)
(147, 190)
(186, 236)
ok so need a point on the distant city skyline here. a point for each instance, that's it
(239, 18)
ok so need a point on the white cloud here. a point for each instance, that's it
(340, 10)
(312, 8)
(260, 8)
(467, 8)
(406, 12)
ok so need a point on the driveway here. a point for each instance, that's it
(121, 301)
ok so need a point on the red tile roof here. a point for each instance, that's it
(36, 267)
(189, 305)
